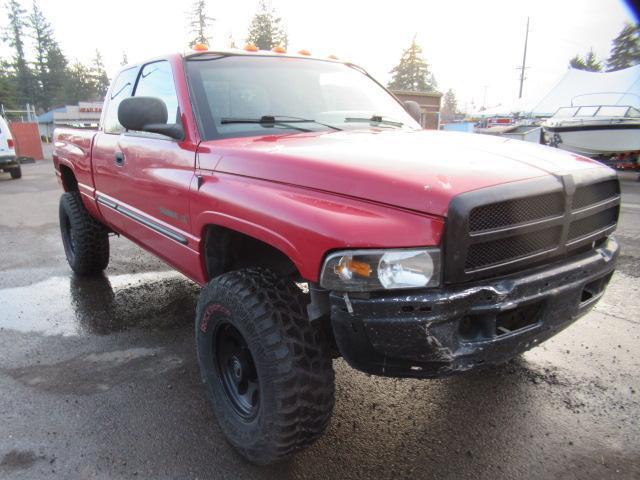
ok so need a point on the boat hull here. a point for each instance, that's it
(593, 140)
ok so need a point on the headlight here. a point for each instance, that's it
(368, 270)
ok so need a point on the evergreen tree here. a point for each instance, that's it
(79, 86)
(99, 78)
(7, 86)
(57, 75)
(589, 62)
(50, 64)
(14, 35)
(266, 30)
(449, 106)
(200, 23)
(412, 73)
(625, 51)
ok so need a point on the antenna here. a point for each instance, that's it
(524, 59)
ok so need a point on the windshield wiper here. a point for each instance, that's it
(281, 120)
(375, 119)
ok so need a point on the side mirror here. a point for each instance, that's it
(413, 109)
(148, 114)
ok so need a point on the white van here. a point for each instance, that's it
(8, 161)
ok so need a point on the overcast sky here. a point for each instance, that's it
(472, 46)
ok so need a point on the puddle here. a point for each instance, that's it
(99, 305)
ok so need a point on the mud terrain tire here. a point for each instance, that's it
(85, 240)
(257, 320)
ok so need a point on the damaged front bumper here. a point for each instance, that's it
(444, 331)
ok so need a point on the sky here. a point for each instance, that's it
(472, 47)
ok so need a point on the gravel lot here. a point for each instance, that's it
(98, 379)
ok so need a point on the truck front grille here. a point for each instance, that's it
(511, 212)
(528, 223)
(517, 246)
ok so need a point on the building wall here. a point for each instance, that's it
(429, 105)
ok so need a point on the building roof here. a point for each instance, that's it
(48, 116)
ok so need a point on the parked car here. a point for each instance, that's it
(322, 221)
(8, 161)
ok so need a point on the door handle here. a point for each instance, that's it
(119, 159)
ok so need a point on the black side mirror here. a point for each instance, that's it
(148, 114)
(413, 109)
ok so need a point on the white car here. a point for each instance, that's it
(8, 161)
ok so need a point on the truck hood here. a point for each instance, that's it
(418, 170)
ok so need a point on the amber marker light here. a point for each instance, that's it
(200, 47)
(250, 47)
(279, 49)
(348, 267)
(333, 57)
(304, 52)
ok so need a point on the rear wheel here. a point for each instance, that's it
(85, 240)
(16, 172)
(267, 368)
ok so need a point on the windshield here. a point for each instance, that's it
(565, 112)
(232, 94)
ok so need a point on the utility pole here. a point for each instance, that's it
(524, 59)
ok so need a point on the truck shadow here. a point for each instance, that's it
(155, 304)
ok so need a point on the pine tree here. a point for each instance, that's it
(266, 30)
(589, 62)
(15, 37)
(57, 75)
(50, 64)
(80, 84)
(7, 86)
(625, 50)
(200, 23)
(412, 73)
(99, 78)
(450, 106)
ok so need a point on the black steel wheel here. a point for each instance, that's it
(237, 371)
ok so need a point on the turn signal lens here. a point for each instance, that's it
(348, 267)
(250, 47)
(279, 49)
(200, 47)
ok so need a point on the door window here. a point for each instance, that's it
(156, 80)
(122, 88)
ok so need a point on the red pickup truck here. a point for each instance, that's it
(322, 221)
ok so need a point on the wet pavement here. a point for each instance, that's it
(98, 379)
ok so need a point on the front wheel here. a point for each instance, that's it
(85, 240)
(267, 369)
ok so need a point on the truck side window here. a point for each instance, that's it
(156, 80)
(122, 88)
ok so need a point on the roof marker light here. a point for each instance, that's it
(200, 47)
(333, 57)
(304, 52)
(250, 47)
(279, 49)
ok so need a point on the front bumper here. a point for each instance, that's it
(444, 331)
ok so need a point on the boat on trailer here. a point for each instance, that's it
(594, 130)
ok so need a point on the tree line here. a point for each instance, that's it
(38, 72)
(625, 52)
